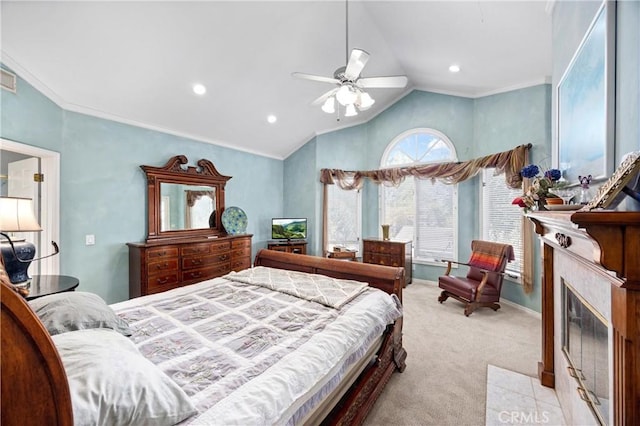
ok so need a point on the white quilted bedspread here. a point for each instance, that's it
(248, 355)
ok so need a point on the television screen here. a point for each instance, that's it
(289, 228)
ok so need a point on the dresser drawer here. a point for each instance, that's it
(242, 252)
(203, 261)
(220, 247)
(240, 264)
(162, 266)
(242, 242)
(162, 252)
(162, 282)
(206, 273)
(194, 249)
(382, 259)
(383, 248)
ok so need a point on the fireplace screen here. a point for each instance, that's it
(586, 346)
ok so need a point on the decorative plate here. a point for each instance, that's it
(234, 220)
(563, 207)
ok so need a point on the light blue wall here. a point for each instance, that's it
(31, 117)
(528, 120)
(302, 193)
(103, 189)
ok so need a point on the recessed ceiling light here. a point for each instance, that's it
(454, 68)
(272, 119)
(199, 89)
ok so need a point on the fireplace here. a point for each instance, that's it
(590, 310)
(585, 344)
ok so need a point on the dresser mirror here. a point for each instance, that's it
(184, 201)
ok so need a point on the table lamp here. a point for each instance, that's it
(16, 215)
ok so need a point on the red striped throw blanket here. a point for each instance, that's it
(488, 255)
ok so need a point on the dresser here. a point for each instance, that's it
(388, 253)
(158, 266)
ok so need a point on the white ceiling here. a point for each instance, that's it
(135, 62)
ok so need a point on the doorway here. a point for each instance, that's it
(47, 205)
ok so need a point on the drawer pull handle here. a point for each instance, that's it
(163, 266)
(197, 261)
(162, 280)
(196, 275)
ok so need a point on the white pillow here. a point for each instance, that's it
(76, 310)
(111, 383)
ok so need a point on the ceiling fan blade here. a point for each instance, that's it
(357, 61)
(324, 97)
(315, 77)
(396, 81)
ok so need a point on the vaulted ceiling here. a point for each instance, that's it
(136, 62)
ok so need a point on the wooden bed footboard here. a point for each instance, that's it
(35, 390)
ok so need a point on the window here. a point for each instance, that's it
(501, 221)
(344, 212)
(421, 210)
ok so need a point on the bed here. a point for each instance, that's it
(36, 390)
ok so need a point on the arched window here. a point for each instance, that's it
(421, 210)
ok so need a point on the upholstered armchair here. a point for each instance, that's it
(483, 283)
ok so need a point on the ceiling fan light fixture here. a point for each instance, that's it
(329, 106)
(365, 101)
(350, 111)
(346, 95)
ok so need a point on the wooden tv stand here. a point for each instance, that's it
(294, 246)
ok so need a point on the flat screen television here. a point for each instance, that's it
(289, 228)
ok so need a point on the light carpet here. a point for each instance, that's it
(446, 376)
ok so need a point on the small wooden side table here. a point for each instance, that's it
(43, 285)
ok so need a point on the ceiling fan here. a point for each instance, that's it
(350, 84)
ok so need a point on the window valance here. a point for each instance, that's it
(508, 162)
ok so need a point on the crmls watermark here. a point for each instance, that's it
(523, 417)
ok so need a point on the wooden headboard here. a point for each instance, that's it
(386, 278)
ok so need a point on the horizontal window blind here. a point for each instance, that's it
(501, 220)
(343, 225)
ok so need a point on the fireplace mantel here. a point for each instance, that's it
(605, 244)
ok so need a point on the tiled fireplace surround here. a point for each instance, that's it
(598, 255)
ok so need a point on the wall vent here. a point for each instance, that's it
(8, 81)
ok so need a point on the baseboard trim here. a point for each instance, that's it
(524, 309)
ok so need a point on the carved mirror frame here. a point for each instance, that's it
(175, 171)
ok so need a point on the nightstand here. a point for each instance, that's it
(43, 285)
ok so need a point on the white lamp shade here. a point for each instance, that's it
(365, 101)
(329, 105)
(346, 95)
(350, 111)
(16, 215)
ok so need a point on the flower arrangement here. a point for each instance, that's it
(541, 185)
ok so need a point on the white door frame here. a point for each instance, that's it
(49, 200)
